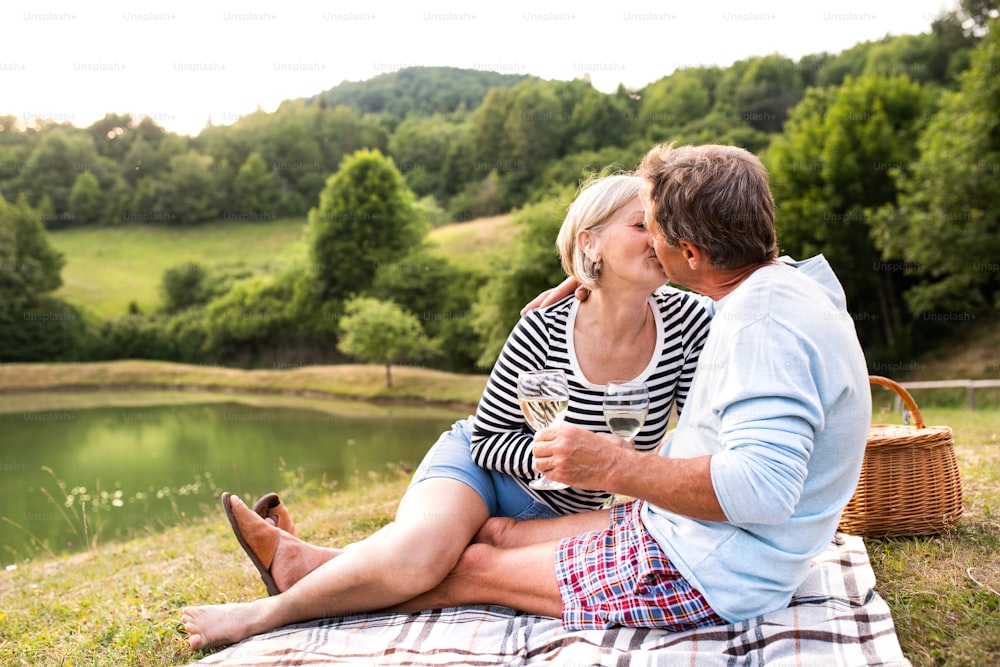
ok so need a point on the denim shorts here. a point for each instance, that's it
(451, 457)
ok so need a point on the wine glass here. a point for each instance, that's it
(544, 399)
(626, 404)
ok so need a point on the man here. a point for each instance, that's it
(751, 484)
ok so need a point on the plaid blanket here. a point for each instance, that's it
(835, 618)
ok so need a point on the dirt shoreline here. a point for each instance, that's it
(225, 389)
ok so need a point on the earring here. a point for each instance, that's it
(591, 269)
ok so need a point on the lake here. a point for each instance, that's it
(67, 474)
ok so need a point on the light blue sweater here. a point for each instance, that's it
(782, 402)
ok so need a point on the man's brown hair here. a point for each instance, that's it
(716, 197)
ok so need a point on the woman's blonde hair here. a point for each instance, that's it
(596, 201)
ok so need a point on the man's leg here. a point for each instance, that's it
(522, 578)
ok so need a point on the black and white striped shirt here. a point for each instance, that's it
(543, 338)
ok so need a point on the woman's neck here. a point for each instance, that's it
(614, 336)
(615, 317)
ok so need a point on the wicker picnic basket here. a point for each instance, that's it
(910, 484)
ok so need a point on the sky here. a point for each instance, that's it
(184, 63)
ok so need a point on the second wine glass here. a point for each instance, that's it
(544, 399)
(626, 404)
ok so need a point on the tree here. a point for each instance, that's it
(480, 198)
(141, 161)
(830, 169)
(938, 56)
(183, 286)
(249, 319)
(596, 121)
(947, 226)
(366, 217)
(440, 294)
(419, 91)
(53, 166)
(292, 147)
(420, 146)
(978, 13)
(255, 190)
(33, 325)
(676, 100)
(760, 91)
(29, 265)
(112, 135)
(190, 190)
(86, 201)
(381, 332)
(488, 141)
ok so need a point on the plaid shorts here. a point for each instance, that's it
(620, 576)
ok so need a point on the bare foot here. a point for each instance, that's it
(219, 624)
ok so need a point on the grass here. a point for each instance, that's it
(118, 602)
(107, 268)
(944, 592)
(470, 244)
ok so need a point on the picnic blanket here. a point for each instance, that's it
(835, 618)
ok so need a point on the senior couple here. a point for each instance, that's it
(729, 507)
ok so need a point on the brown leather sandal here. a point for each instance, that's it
(258, 537)
(270, 508)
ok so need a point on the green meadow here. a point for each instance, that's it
(107, 268)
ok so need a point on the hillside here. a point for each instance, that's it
(468, 244)
(106, 269)
(418, 90)
(973, 353)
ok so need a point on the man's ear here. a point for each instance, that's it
(695, 255)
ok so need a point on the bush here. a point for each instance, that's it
(48, 329)
(133, 336)
(441, 296)
(183, 286)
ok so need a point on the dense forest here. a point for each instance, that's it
(885, 157)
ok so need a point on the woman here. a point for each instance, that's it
(631, 327)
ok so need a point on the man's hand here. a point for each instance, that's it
(590, 460)
(579, 457)
(560, 291)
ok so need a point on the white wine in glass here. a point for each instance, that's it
(544, 399)
(626, 405)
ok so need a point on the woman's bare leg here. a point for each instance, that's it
(435, 521)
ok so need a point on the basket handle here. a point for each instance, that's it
(918, 419)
